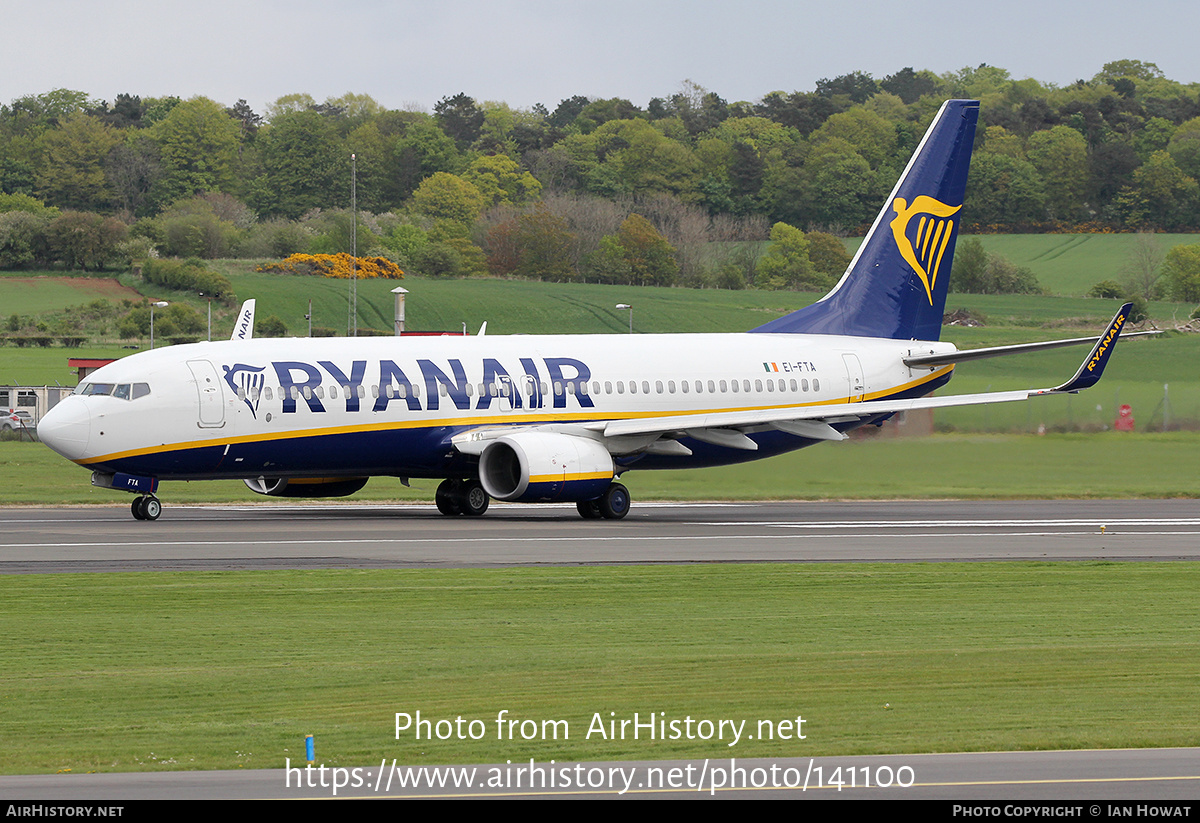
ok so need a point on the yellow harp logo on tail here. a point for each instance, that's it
(923, 250)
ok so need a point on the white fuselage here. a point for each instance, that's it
(362, 406)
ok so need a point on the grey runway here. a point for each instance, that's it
(41, 540)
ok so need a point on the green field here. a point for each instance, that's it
(1069, 264)
(166, 671)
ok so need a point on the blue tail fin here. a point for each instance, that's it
(896, 285)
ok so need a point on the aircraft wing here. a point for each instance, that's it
(814, 422)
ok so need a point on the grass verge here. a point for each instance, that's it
(962, 466)
(117, 672)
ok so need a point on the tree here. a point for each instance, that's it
(651, 258)
(72, 170)
(198, 142)
(857, 85)
(828, 255)
(910, 85)
(448, 197)
(422, 151)
(500, 180)
(307, 165)
(83, 240)
(1060, 157)
(1143, 267)
(460, 119)
(1181, 271)
(1003, 189)
(786, 264)
(133, 169)
(970, 266)
(536, 245)
(636, 255)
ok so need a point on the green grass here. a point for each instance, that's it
(33, 292)
(1067, 264)
(151, 671)
(963, 466)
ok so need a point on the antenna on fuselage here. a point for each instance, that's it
(243, 329)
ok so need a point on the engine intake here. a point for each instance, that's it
(544, 466)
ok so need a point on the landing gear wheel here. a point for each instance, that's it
(472, 499)
(447, 498)
(589, 509)
(614, 503)
(146, 508)
(152, 508)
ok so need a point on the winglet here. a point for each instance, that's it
(243, 329)
(1089, 373)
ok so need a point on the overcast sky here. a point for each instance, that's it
(411, 54)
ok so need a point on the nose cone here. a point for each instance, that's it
(67, 427)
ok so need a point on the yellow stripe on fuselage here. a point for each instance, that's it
(496, 418)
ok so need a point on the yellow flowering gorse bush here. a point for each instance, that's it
(334, 265)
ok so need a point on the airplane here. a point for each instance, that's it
(554, 418)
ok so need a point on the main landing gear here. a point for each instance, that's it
(462, 497)
(146, 507)
(612, 505)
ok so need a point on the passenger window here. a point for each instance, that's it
(816, 384)
(658, 386)
(746, 385)
(671, 386)
(268, 392)
(633, 387)
(319, 391)
(758, 385)
(699, 387)
(724, 386)
(804, 384)
(645, 387)
(607, 387)
(733, 384)
(683, 384)
(620, 387)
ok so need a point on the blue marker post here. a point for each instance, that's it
(309, 748)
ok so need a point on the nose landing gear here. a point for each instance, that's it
(146, 507)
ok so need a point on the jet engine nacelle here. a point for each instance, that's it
(543, 466)
(306, 486)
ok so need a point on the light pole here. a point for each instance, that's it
(630, 307)
(352, 323)
(160, 304)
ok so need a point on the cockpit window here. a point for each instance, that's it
(123, 391)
